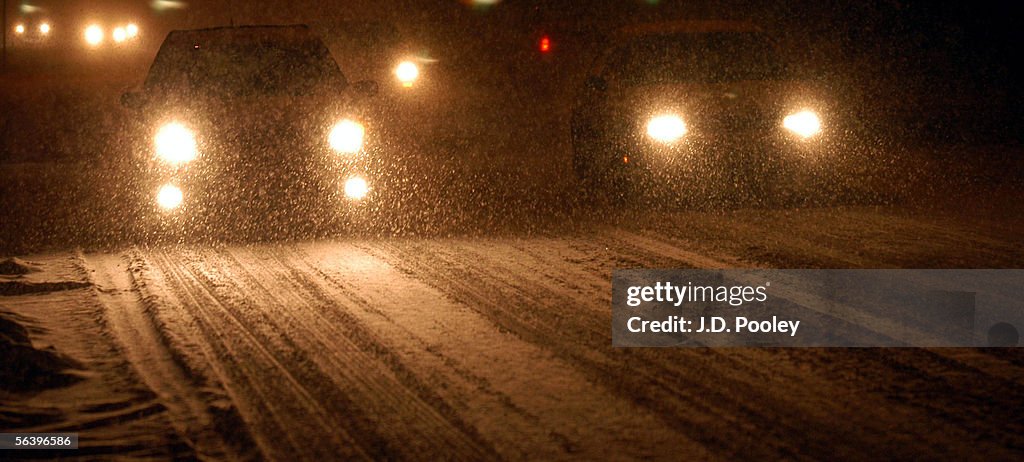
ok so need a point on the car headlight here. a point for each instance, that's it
(119, 34)
(804, 124)
(407, 72)
(93, 35)
(666, 128)
(169, 197)
(356, 188)
(175, 144)
(347, 137)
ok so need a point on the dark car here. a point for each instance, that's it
(697, 109)
(255, 123)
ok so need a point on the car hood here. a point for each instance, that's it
(262, 120)
(765, 100)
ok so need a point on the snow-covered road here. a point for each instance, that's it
(500, 348)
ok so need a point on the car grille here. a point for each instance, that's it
(740, 120)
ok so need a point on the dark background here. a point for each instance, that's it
(939, 69)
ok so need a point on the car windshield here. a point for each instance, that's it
(244, 67)
(696, 57)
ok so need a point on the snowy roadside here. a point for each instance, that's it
(64, 372)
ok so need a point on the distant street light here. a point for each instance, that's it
(407, 73)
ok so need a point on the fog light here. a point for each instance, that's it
(356, 188)
(169, 197)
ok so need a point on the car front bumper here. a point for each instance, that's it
(294, 187)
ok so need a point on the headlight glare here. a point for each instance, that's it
(175, 144)
(93, 35)
(347, 137)
(356, 188)
(119, 34)
(804, 124)
(666, 128)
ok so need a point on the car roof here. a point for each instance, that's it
(686, 27)
(293, 33)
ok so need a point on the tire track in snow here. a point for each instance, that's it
(737, 371)
(737, 403)
(546, 395)
(453, 389)
(920, 370)
(281, 413)
(406, 415)
(698, 409)
(794, 396)
(145, 349)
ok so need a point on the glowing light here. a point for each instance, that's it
(407, 73)
(175, 144)
(356, 188)
(19, 29)
(804, 124)
(44, 28)
(666, 128)
(132, 30)
(161, 5)
(93, 35)
(347, 137)
(545, 44)
(119, 35)
(169, 197)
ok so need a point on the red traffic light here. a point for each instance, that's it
(545, 44)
